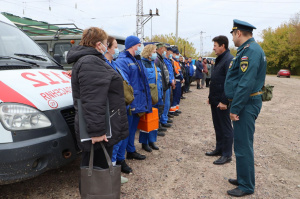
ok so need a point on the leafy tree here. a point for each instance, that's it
(185, 47)
(282, 46)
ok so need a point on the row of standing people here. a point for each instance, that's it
(98, 74)
(203, 72)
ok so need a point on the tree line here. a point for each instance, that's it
(281, 46)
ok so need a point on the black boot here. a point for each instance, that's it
(153, 146)
(198, 86)
(124, 167)
(135, 155)
(146, 147)
(159, 133)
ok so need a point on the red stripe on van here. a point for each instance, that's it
(7, 94)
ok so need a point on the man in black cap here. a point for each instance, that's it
(243, 88)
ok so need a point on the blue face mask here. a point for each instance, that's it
(105, 49)
(117, 52)
(138, 51)
(177, 56)
(170, 56)
(164, 54)
(154, 56)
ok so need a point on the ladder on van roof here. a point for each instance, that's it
(50, 29)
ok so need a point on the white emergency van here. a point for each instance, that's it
(36, 108)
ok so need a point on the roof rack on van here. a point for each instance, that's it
(50, 29)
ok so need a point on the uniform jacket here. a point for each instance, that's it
(187, 68)
(246, 75)
(159, 62)
(150, 67)
(191, 69)
(115, 66)
(218, 76)
(199, 68)
(95, 82)
(168, 63)
(177, 70)
(135, 72)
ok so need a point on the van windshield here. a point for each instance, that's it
(16, 44)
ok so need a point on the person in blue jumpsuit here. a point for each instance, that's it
(192, 70)
(168, 62)
(134, 71)
(118, 155)
(187, 75)
(243, 87)
(178, 78)
(149, 55)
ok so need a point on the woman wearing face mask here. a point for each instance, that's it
(112, 52)
(154, 77)
(94, 82)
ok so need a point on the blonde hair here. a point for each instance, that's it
(147, 51)
(92, 35)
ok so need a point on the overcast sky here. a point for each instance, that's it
(118, 17)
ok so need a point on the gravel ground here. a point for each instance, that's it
(181, 170)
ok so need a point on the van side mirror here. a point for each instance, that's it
(57, 58)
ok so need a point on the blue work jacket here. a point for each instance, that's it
(136, 74)
(192, 70)
(170, 69)
(149, 65)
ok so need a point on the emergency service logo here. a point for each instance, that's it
(53, 104)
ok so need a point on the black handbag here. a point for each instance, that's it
(99, 183)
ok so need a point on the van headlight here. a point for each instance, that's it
(16, 117)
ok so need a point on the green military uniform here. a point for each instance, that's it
(244, 81)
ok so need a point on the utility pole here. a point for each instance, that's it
(176, 39)
(140, 21)
(201, 43)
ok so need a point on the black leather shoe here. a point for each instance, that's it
(234, 182)
(170, 116)
(166, 125)
(175, 114)
(213, 153)
(159, 133)
(179, 112)
(237, 192)
(222, 160)
(146, 147)
(153, 146)
(124, 167)
(182, 97)
(162, 129)
(169, 121)
(135, 155)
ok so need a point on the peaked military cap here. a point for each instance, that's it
(161, 44)
(242, 25)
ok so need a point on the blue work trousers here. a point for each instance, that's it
(164, 117)
(243, 144)
(176, 94)
(133, 121)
